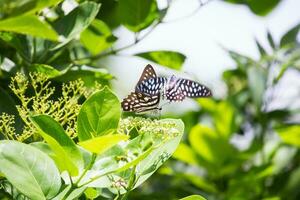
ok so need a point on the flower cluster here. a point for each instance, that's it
(158, 128)
(38, 96)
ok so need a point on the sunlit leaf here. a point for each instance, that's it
(193, 197)
(18, 7)
(224, 117)
(137, 14)
(99, 113)
(67, 154)
(290, 134)
(30, 170)
(186, 154)
(97, 37)
(171, 59)
(29, 24)
(100, 144)
(160, 154)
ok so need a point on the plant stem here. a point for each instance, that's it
(94, 156)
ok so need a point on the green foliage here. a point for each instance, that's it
(66, 154)
(137, 14)
(259, 7)
(171, 59)
(118, 155)
(77, 144)
(28, 24)
(98, 115)
(28, 169)
(210, 162)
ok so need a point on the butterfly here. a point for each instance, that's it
(173, 88)
(140, 102)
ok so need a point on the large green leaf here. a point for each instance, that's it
(97, 37)
(171, 59)
(28, 24)
(99, 114)
(100, 144)
(259, 7)
(193, 197)
(30, 170)
(290, 134)
(76, 21)
(137, 14)
(162, 152)
(68, 156)
(17, 7)
(145, 153)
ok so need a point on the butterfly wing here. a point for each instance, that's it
(193, 89)
(139, 102)
(148, 73)
(152, 86)
(186, 88)
(174, 95)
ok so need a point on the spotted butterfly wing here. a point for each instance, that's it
(147, 74)
(186, 88)
(152, 86)
(139, 102)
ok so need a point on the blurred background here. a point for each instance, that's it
(243, 143)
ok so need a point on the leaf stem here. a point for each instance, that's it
(94, 156)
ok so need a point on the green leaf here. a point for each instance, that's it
(224, 118)
(76, 21)
(137, 14)
(91, 193)
(76, 193)
(29, 24)
(67, 154)
(171, 59)
(100, 144)
(271, 40)
(290, 134)
(31, 171)
(261, 49)
(212, 148)
(97, 37)
(89, 77)
(193, 197)
(185, 154)
(257, 83)
(44, 69)
(259, 7)
(290, 37)
(18, 42)
(18, 7)
(100, 113)
(161, 153)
